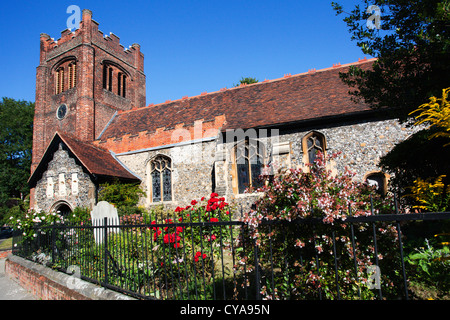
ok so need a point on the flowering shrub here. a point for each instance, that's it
(436, 113)
(431, 195)
(180, 251)
(26, 223)
(301, 255)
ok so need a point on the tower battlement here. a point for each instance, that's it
(88, 32)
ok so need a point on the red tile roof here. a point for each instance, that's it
(95, 160)
(306, 96)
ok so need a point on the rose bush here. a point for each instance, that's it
(180, 253)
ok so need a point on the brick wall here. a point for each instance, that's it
(89, 105)
(39, 285)
(163, 136)
(47, 284)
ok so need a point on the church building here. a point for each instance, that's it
(92, 125)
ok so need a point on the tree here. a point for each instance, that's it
(246, 80)
(420, 164)
(125, 196)
(417, 157)
(412, 51)
(16, 136)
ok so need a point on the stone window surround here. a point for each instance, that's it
(234, 173)
(385, 178)
(305, 138)
(150, 184)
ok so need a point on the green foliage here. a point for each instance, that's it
(125, 196)
(412, 47)
(246, 80)
(419, 164)
(16, 132)
(431, 266)
(13, 209)
(436, 113)
(78, 215)
(415, 158)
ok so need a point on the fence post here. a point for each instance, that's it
(53, 242)
(105, 243)
(257, 274)
(399, 233)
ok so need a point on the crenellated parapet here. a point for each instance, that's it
(88, 32)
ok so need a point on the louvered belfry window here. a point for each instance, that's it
(59, 80)
(72, 75)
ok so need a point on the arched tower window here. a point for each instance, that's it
(72, 69)
(114, 79)
(65, 75)
(160, 169)
(59, 80)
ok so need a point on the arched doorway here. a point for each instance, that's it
(62, 208)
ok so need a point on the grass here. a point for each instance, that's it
(6, 244)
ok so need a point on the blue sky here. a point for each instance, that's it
(190, 46)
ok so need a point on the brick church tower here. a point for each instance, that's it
(82, 80)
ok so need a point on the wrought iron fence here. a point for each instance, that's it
(359, 258)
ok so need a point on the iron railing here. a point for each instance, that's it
(220, 260)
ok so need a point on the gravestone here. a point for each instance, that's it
(101, 211)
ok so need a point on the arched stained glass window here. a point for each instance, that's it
(161, 179)
(249, 158)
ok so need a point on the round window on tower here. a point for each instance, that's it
(61, 112)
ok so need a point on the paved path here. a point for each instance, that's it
(9, 289)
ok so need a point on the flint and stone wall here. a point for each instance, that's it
(64, 182)
(202, 168)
